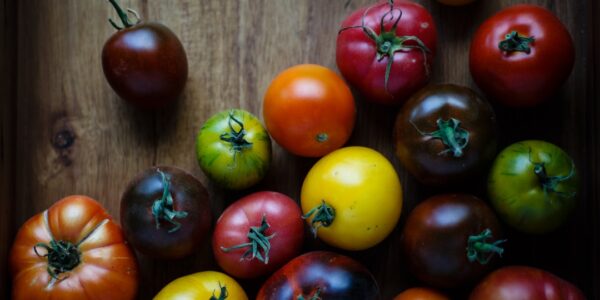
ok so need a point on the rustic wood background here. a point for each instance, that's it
(52, 87)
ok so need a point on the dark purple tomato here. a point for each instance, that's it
(144, 62)
(165, 213)
(320, 275)
(451, 240)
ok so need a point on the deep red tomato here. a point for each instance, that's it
(72, 251)
(524, 283)
(451, 240)
(387, 50)
(522, 55)
(320, 275)
(258, 234)
(144, 62)
(165, 212)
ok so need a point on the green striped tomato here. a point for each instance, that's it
(234, 149)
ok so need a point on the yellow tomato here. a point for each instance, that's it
(352, 198)
(455, 2)
(202, 286)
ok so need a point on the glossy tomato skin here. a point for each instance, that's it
(334, 276)
(285, 226)
(309, 110)
(234, 164)
(364, 191)
(357, 53)
(145, 64)
(521, 197)
(107, 267)
(165, 241)
(524, 283)
(521, 79)
(202, 285)
(435, 239)
(432, 160)
(419, 293)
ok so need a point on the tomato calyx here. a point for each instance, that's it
(163, 209)
(123, 16)
(63, 256)
(515, 42)
(258, 241)
(550, 183)
(315, 296)
(324, 215)
(222, 295)
(451, 134)
(236, 137)
(478, 249)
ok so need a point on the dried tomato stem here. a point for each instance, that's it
(478, 249)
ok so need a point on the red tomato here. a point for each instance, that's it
(372, 35)
(309, 110)
(522, 55)
(258, 234)
(419, 293)
(524, 283)
(73, 250)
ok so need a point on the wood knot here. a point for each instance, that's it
(63, 139)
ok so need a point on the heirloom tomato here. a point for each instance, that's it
(320, 275)
(533, 186)
(445, 134)
(421, 294)
(522, 55)
(72, 251)
(451, 240)
(234, 149)
(258, 234)
(524, 283)
(165, 213)
(207, 285)
(309, 110)
(352, 198)
(387, 50)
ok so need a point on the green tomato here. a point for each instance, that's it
(533, 186)
(234, 149)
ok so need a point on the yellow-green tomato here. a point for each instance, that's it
(208, 285)
(352, 198)
(234, 149)
(456, 2)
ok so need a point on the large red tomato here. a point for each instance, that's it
(387, 50)
(72, 251)
(522, 55)
(258, 234)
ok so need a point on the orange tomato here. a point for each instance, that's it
(309, 110)
(421, 294)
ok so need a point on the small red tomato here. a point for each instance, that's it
(521, 56)
(258, 234)
(387, 50)
(144, 62)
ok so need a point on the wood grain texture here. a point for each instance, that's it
(55, 91)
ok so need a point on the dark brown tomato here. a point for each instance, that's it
(320, 275)
(144, 63)
(445, 134)
(165, 213)
(451, 240)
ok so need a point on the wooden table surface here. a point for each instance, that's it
(52, 84)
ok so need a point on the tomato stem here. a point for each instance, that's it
(315, 296)
(123, 16)
(478, 249)
(62, 256)
(236, 137)
(258, 241)
(222, 296)
(514, 42)
(550, 183)
(324, 215)
(454, 137)
(163, 209)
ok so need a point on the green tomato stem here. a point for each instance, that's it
(454, 137)
(515, 42)
(222, 295)
(162, 208)
(62, 257)
(478, 249)
(315, 296)
(324, 215)
(236, 137)
(258, 241)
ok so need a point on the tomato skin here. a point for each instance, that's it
(429, 159)
(362, 186)
(524, 283)
(516, 78)
(356, 52)
(517, 193)
(107, 269)
(335, 276)
(309, 110)
(285, 220)
(419, 293)
(139, 222)
(435, 239)
(201, 285)
(221, 160)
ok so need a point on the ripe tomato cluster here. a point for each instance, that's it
(351, 198)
